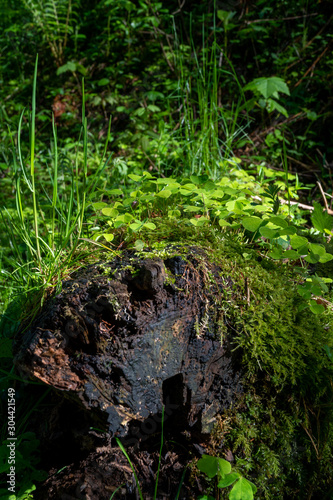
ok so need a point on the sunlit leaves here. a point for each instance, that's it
(268, 87)
(320, 219)
(200, 202)
(218, 467)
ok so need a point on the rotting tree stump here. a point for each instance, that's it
(121, 341)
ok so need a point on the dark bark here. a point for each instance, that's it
(126, 338)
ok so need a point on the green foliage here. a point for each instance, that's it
(26, 462)
(184, 126)
(269, 89)
(119, 443)
(221, 469)
(231, 206)
(54, 236)
(55, 19)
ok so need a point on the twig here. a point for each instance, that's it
(308, 167)
(282, 19)
(313, 65)
(323, 195)
(181, 5)
(312, 441)
(301, 205)
(309, 43)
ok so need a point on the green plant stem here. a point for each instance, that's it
(159, 457)
(55, 181)
(32, 164)
(132, 467)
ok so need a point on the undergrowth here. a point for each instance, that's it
(76, 201)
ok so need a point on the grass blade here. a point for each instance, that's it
(131, 465)
(159, 457)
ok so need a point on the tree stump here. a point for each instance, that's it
(126, 338)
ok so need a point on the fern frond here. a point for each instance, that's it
(56, 20)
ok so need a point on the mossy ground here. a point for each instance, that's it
(280, 431)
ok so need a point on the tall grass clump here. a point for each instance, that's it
(207, 131)
(48, 222)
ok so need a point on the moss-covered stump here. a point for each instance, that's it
(215, 337)
(127, 337)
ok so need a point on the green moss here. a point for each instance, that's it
(280, 430)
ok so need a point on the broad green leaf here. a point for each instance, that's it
(314, 289)
(135, 226)
(189, 187)
(272, 105)
(126, 217)
(317, 249)
(228, 480)
(302, 307)
(291, 254)
(218, 193)
(234, 206)
(209, 185)
(208, 465)
(185, 192)
(110, 212)
(115, 191)
(225, 16)
(267, 232)
(268, 87)
(135, 177)
(168, 181)
(242, 490)
(195, 179)
(202, 221)
(81, 69)
(165, 193)
(224, 466)
(150, 225)
(99, 205)
(103, 82)
(148, 175)
(278, 221)
(251, 223)
(193, 208)
(69, 66)
(152, 95)
(316, 308)
(224, 223)
(276, 253)
(306, 294)
(282, 241)
(320, 219)
(108, 236)
(303, 250)
(118, 224)
(139, 245)
(153, 108)
(298, 241)
(199, 179)
(288, 230)
(312, 258)
(139, 112)
(262, 208)
(174, 213)
(325, 258)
